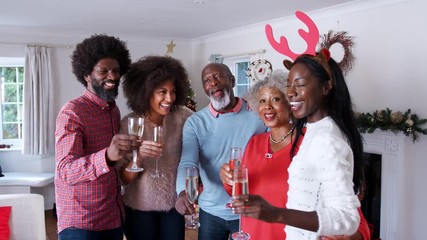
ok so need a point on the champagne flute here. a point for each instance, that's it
(235, 158)
(158, 138)
(240, 187)
(192, 192)
(234, 162)
(135, 127)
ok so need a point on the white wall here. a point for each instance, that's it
(390, 71)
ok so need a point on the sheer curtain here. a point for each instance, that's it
(39, 125)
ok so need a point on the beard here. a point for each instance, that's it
(222, 102)
(107, 95)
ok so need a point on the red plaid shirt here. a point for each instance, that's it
(86, 188)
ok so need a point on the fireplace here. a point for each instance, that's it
(371, 203)
(391, 149)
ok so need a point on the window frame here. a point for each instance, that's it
(14, 62)
(231, 63)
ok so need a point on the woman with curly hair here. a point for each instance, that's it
(156, 89)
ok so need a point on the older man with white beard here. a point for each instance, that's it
(208, 136)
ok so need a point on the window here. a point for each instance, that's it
(239, 68)
(11, 101)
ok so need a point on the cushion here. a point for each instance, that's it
(4, 222)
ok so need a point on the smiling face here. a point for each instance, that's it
(307, 94)
(218, 85)
(162, 99)
(273, 108)
(104, 79)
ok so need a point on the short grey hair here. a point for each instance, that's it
(276, 80)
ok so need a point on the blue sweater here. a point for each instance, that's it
(207, 141)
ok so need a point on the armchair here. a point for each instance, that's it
(26, 219)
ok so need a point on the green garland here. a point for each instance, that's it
(386, 120)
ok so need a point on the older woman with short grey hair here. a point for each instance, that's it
(267, 155)
(276, 80)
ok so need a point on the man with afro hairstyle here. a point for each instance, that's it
(88, 144)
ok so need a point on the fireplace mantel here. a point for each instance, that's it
(391, 148)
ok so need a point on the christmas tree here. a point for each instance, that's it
(191, 104)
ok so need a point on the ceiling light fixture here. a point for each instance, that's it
(199, 2)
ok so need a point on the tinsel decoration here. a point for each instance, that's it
(386, 120)
(341, 37)
(191, 104)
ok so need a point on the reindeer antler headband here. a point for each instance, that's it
(311, 37)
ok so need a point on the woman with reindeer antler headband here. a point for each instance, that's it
(327, 170)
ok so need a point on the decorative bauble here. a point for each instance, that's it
(409, 123)
(380, 116)
(396, 117)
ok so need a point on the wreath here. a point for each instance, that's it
(259, 69)
(347, 43)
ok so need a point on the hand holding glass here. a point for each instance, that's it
(192, 192)
(158, 138)
(240, 187)
(135, 127)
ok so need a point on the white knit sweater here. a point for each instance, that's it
(321, 180)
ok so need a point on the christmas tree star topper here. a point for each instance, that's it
(170, 47)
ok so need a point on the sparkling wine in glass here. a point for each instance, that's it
(240, 187)
(234, 162)
(192, 192)
(158, 138)
(235, 158)
(135, 127)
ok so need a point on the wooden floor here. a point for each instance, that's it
(52, 235)
(50, 220)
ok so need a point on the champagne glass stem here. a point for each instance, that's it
(240, 223)
(157, 165)
(134, 158)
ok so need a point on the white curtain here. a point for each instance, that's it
(38, 119)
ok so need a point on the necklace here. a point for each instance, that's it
(282, 139)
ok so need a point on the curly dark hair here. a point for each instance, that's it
(147, 74)
(99, 46)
